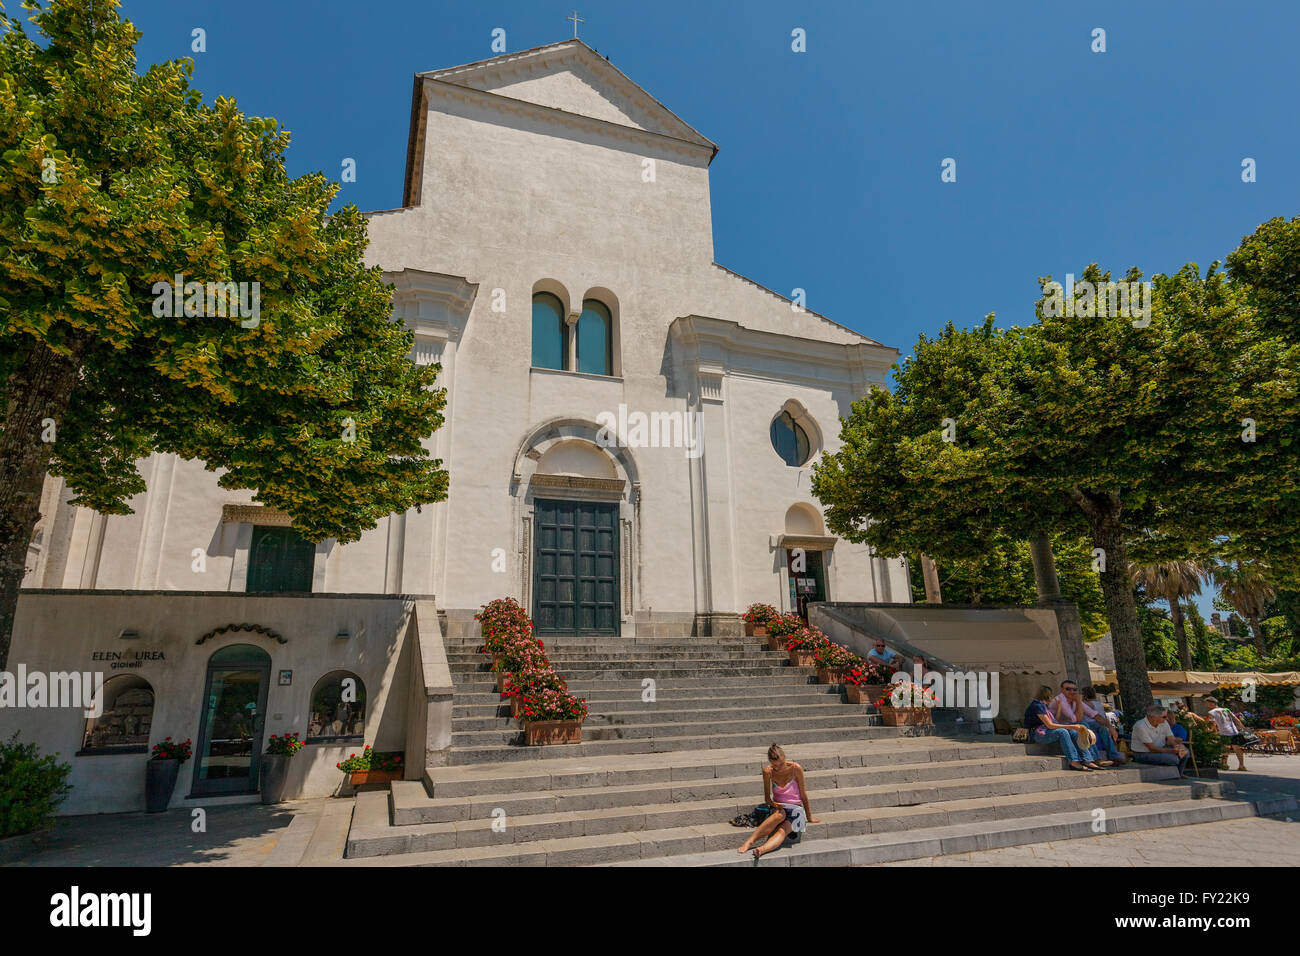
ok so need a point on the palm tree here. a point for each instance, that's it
(1246, 587)
(1173, 581)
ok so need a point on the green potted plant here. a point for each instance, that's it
(552, 717)
(273, 766)
(161, 771)
(756, 619)
(370, 766)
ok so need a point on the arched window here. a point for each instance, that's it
(789, 439)
(550, 343)
(127, 716)
(338, 708)
(594, 325)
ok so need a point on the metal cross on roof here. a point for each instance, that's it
(576, 20)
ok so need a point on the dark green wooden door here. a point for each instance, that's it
(575, 579)
(279, 559)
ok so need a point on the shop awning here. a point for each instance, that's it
(1205, 682)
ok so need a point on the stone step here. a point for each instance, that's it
(624, 713)
(789, 676)
(485, 754)
(677, 671)
(629, 693)
(876, 848)
(509, 731)
(589, 837)
(619, 643)
(900, 784)
(552, 772)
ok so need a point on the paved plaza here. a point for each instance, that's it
(313, 832)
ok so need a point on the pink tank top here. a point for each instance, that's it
(789, 793)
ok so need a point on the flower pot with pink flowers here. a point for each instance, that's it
(781, 627)
(552, 717)
(756, 619)
(371, 766)
(833, 661)
(802, 644)
(865, 682)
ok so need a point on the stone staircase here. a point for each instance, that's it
(653, 783)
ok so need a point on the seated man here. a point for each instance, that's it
(1154, 743)
(891, 659)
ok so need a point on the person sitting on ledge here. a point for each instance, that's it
(1069, 706)
(1043, 730)
(891, 659)
(785, 792)
(1153, 742)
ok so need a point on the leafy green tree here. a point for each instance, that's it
(1158, 641)
(1247, 587)
(1087, 424)
(112, 183)
(1199, 638)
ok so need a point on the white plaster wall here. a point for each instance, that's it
(60, 631)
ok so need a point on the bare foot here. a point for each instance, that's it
(758, 851)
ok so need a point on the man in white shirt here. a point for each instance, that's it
(1154, 743)
(1229, 729)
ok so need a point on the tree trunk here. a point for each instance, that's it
(1257, 633)
(1040, 550)
(38, 389)
(931, 574)
(1121, 612)
(1180, 634)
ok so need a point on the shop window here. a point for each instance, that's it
(338, 708)
(127, 717)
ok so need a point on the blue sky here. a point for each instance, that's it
(828, 177)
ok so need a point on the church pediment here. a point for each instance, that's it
(573, 78)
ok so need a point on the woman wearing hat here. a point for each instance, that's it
(1077, 741)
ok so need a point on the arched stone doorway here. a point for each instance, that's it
(577, 507)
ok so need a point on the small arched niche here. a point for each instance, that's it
(578, 458)
(803, 519)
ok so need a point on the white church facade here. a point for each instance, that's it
(630, 426)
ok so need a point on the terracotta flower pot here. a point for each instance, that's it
(775, 643)
(801, 658)
(755, 630)
(826, 676)
(863, 693)
(501, 681)
(360, 777)
(543, 732)
(905, 716)
(514, 705)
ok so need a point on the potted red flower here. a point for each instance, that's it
(756, 619)
(532, 681)
(273, 766)
(781, 627)
(906, 704)
(372, 767)
(803, 643)
(865, 682)
(552, 717)
(161, 771)
(833, 661)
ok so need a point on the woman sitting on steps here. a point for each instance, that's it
(1043, 730)
(785, 792)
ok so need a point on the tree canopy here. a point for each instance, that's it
(116, 184)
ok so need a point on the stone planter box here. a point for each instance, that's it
(159, 782)
(864, 693)
(541, 733)
(801, 658)
(360, 778)
(755, 630)
(273, 776)
(905, 716)
(775, 643)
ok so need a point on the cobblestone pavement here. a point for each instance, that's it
(1251, 841)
